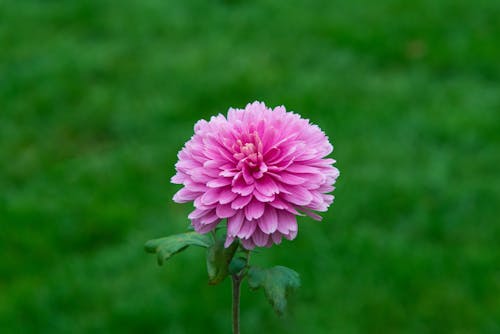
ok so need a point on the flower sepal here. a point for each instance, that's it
(237, 265)
(218, 259)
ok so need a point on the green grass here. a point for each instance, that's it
(97, 97)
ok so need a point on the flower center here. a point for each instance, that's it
(248, 152)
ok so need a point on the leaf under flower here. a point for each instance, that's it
(168, 246)
(277, 282)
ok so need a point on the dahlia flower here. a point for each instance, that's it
(258, 168)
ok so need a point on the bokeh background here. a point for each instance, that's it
(97, 97)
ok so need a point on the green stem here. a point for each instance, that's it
(236, 303)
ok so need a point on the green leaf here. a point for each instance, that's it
(171, 245)
(218, 259)
(277, 282)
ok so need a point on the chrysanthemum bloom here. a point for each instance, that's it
(258, 168)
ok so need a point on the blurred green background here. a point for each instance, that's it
(97, 97)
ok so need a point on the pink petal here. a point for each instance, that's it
(185, 195)
(300, 196)
(268, 139)
(228, 173)
(210, 172)
(204, 228)
(254, 210)
(197, 213)
(195, 186)
(272, 154)
(213, 164)
(187, 165)
(198, 175)
(278, 203)
(178, 178)
(224, 211)
(291, 235)
(312, 214)
(260, 238)
(241, 202)
(286, 222)
(267, 186)
(234, 223)
(240, 187)
(226, 196)
(225, 153)
(287, 153)
(247, 176)
(197, 204)
(295, 168)
(247, 229)
(291, 179)
(209, 218)
(219, 182)
(248, 244)
(229, 241)
(210, 197)
(276, 236)
(263, 198)
(268, 223)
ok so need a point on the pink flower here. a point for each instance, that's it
(258, 168)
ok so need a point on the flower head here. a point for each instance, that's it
(258, 168)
